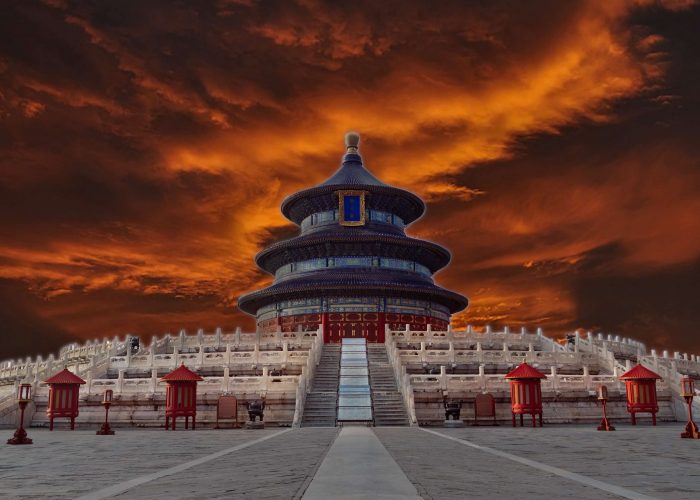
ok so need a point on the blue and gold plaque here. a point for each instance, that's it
(351, 208)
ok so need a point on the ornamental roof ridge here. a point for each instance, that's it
(352, 174)
(524, 370)
(639, 372)
(65, 376)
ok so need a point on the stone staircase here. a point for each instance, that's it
(321, 403)
(387, 401)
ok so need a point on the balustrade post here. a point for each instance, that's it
(555, 377)
(127, 342)
(154, 380)
(237, 338)
(183, 338)
(266, 378)
(587, 377)
(200, 336)
(470, 330)
(120, 381)
(115, 344)
(226, 380)
(443, 378)
(256, 353)
(482, 377)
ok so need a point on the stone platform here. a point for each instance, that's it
(571, 461)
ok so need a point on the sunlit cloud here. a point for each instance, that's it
(145, 157)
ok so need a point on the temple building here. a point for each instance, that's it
(353, 329)
(352, 269)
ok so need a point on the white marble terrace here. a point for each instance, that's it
(461, 364)
(276, 365)
(280, 365)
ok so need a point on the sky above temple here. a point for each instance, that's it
(145, 148)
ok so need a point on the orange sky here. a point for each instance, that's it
(145, 149)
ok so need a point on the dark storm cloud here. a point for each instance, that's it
(23, 329)
(145, 148)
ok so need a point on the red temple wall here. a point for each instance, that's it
(339, 325)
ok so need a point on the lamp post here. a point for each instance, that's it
(24, 396)
(605, 425)
(105, 430)
(688, 391)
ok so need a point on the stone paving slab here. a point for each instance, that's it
(443, 469)
(653, 461)
(67, 464)
(650, 460)
(279, 468)
(358, 466)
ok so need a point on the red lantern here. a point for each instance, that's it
(63, 396)
(24, 396)
(641, 392)
(526, 392)
(688, 391)
(181, 395)
(105, 430)
(603, 398)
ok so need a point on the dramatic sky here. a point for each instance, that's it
(145, 148)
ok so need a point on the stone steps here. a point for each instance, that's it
(387, 401)
(320, 409)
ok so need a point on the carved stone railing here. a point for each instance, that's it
(202, 359)
(80, 356)
(498, 383)
(453, 357)
(402, 378)
(307, 375)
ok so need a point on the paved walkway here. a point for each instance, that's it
(355, 462)
(358, 466)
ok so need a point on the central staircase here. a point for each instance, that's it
(387, 401)
(321, 408)
(322, 401)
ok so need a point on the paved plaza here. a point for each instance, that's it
(571, 461)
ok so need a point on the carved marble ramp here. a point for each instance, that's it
(358, 466)
(354, 396)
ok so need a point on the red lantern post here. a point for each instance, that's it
(641, 392)
(24, 396)
(106, 430)
(603, 398)
(181, 395)
(64, 388)
(526, 392)
(688, 391)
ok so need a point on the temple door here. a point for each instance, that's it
(369, 331)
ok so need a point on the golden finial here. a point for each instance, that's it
(352, 141)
